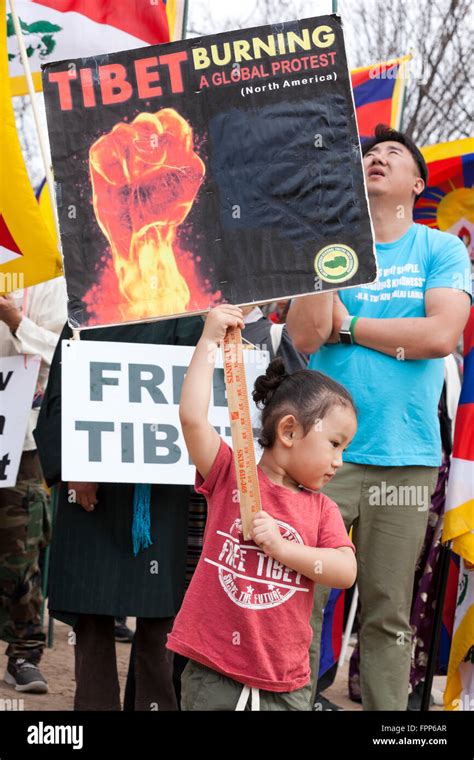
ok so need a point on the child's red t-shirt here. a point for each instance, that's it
(245, 614)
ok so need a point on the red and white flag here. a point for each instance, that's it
(55, 30)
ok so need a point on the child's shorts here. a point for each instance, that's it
(206, 689)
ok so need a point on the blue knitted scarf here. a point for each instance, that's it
(141, 517)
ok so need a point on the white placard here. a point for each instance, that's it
(18, 376)
(120, 411)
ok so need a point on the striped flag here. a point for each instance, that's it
(332, 631)
(28, 250)
(449, 609)
(378, 94)
(57, 29)
(447, 203)
(459, 528)
(459, 692)
(459, 511)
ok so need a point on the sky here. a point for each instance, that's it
(223, 15)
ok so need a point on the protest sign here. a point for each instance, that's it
(120, 411)
(220, 169)
(18, 376)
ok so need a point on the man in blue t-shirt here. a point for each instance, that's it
(385, 342)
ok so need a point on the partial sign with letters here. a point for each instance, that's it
(120, 411)
(18, 376)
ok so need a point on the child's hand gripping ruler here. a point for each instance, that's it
(241, 428)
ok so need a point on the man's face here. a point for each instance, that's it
(391, 171)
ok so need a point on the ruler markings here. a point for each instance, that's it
(241, 429)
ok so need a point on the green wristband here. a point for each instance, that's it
(351, 328)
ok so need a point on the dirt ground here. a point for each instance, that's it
(57, 666)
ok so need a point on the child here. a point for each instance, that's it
(244, 622)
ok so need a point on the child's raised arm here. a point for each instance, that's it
(202, 440)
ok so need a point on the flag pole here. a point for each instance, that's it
(185, 19)
(405, 72)
(39, 128)
(402, 112)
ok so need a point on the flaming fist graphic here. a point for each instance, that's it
(145, 177)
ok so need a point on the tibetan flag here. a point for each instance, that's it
(447, 203)
(459, 692)
(449, 609)
(57, 29)
(331, 634)
(378, 94)
(458, 524)
(28, 251)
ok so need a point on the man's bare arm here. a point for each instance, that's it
(309, 321)
(430, 337)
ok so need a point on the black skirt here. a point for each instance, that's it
(92, 566)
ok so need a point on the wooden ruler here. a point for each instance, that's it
(241, 428)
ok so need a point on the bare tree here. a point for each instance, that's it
(439, 32)
(203, 19)
(28, 136)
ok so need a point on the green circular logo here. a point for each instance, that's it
(336, 263)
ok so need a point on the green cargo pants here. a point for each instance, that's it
(25, 529)
(387, 508)
(208, 690)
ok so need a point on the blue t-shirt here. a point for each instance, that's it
(397, 401)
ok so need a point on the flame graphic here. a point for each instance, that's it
(145, 177)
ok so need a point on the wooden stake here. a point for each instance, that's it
(241, 428)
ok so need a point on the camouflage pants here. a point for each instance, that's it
(25, 528)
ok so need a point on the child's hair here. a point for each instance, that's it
(306, 394)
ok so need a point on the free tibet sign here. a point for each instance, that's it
(120, 411)
(219, 169)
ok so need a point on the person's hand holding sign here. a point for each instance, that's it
(219, 319)
(84, 494)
